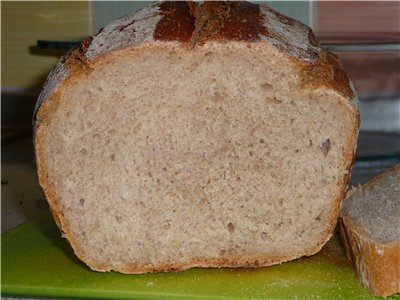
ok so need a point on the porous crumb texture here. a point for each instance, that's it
(376, 208)
(213, 156)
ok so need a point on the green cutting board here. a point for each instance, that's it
(37, 262)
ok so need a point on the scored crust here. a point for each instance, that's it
(174, 22)
(199, 25)
(377, 264)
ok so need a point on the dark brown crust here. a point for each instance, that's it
(217, 20)
(377, 264)
(195, 26)
(245, 22)
(177, 23)
(225, 20)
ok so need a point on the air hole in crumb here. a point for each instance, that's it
(231, 228)
(267, 87)
(112, 157)
(262, 141)
(318, 218)
(167, 225)
(83, 151)
(82, 201)
(208, 53)
(277, 100)
(251, 153)
(311, 143)
(326, 146)
(222, 252)
(265, 236)
(292, 121)
(238, 178)
(223, 175)
(203, 201)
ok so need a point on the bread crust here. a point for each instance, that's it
(199, 26)
(377, 264)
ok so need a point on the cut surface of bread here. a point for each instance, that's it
(370, 230)
(163, 155)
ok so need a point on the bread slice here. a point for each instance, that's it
(196, 135)
(370, 229)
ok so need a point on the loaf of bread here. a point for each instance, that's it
(370, 230)
(189, 135)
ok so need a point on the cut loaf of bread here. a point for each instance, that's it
(370, 229)
(196, 135)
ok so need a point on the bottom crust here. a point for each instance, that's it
(233, 262)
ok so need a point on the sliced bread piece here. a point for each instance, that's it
(202, 135)
(370, 230)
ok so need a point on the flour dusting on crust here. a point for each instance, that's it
(289, 35)
(131, 29)
(56, 76)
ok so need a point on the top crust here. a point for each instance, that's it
(212, 21)
(189, 24)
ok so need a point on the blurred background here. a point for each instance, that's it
(34, 35)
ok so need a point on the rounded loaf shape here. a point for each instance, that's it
(196, 135)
